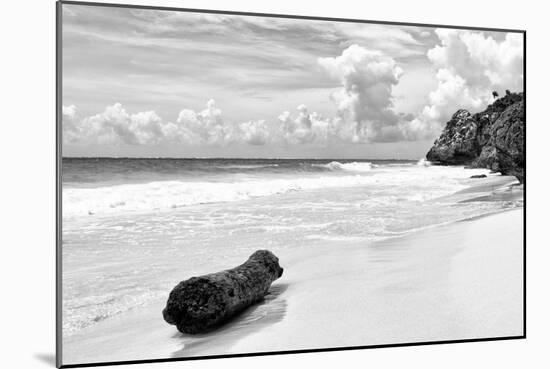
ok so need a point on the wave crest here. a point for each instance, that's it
(166, 195)
(352, 167)
(423, 163)
(156, 196)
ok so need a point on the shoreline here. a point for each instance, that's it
(434, 286)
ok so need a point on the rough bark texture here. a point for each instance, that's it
(493, 138)
(201, 303)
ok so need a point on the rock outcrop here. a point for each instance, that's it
(202, 303)
(493, 138)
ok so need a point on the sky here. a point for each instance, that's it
(151, 83)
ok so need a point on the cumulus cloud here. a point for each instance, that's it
(206, 126)
(469, 66)
(303, 127)
(70, 127)
(115, 125)
(254, 132)
(365, 101)
(480, 60)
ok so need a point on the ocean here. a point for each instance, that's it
(133, 228)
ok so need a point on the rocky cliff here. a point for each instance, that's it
(493, 138)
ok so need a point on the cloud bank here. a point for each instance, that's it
(304, 127)
(468, 66)
(365, 102)
(254, 132)
(116, 126)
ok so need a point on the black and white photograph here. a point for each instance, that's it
(240, 184)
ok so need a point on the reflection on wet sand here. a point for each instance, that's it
(253, 319)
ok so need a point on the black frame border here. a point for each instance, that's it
(58, 184)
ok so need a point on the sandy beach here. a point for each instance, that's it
(457, 281)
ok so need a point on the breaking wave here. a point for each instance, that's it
(174, 194)
(423, 163)
(352, 167)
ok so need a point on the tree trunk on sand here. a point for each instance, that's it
(201, 303)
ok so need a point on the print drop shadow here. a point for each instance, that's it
(47, 358)
(271, 310)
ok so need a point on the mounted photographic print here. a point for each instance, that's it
(241, 184)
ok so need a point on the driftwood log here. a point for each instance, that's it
(202, 303)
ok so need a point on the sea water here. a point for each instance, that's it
(133, 228)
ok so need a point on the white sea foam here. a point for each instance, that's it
(353, 166)
(174, 194)
(92, 309)
(322, 237)
(165, 195)
(423, 163)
